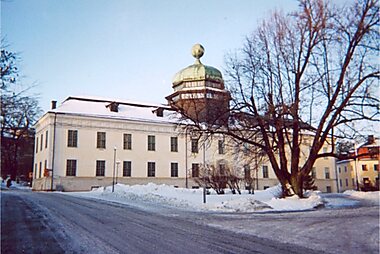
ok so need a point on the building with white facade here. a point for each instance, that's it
(88, 142)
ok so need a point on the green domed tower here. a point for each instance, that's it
(199, 92)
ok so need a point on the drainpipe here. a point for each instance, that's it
(53, 156)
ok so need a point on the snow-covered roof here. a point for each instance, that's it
(128, 110)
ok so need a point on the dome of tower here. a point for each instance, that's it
(197, 71)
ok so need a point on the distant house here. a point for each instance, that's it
(360, 168)
(91, 141)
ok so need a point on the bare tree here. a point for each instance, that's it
(218, 178)
(304, 79)
(19, 111)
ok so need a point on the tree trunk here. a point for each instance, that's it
(296, 182)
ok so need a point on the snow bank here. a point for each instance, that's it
(371, 196)
(192, 199)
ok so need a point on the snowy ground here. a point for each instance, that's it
(14, 185)
(192, 199)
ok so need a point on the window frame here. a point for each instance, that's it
(327, 173)
(151, 166)
(151, 143)
(265, 171)
(72, 138)
(101, 139)
(46, 138)
(195, 170)
(71, 167)
(127, 168)
(221, 146)
(42, 142)
(174, 144)
(127, 141)
(174, 169)
(194, 145)
(100, 169)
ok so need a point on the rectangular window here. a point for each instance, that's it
(127, 144)
(36, 144)
(195, 170)
(325, 151)
(127, 168)
(194, 145)
(314, 173)
(46, 139)
(173, 144)
(339, 170)
(174, 169)
(353, 182)
(100, 168)
(364, 167)
(221, 146)
(328, 189)
(327, 172)
(151, 143)
(42, 142)
(101, 140)
(72, 138)
(265, 172)
(40, 173)
(71, 167)
(35, 170)
(346, 182)
(247, 172)
(340, 183)
(376, 167)
(345, 168)
(151, 169)
(45, 165)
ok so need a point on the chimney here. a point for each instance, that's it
(53, 104)
(113, 106)
(370, 139)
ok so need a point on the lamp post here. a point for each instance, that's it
(204, 165)
(114, 166)
(117, 169)
(186, 180)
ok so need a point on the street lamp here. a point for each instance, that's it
(114, 165)
(117, 169)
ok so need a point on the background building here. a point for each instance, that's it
(361, 173)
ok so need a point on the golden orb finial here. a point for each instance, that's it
(197, 51)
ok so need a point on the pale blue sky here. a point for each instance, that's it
(127, 49)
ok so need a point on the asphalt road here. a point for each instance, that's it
(55, 223)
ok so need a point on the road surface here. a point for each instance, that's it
(54, 223)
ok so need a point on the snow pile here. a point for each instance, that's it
(295, 203)
(372, 197)
(192, 199)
